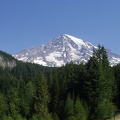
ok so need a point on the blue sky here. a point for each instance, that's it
(29, 23)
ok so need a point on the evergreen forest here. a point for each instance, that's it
(88, 91)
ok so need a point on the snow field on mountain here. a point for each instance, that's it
(61, 50)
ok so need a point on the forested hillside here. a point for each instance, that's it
(72, 92)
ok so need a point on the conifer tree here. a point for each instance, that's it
(80, 110)
(100, 85)
(69, 108)
(42, 99)
(75, 110)
(54, 92)
(106, 88)
(117, 81)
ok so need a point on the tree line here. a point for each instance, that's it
(88, 91)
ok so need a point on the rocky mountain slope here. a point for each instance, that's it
(6, 60)
(61, 50)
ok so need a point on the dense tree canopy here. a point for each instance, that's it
(88, 91)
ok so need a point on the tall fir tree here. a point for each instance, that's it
(100, 85)
(42, 100)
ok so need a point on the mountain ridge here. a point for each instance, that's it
(6, 60)
(61, 50)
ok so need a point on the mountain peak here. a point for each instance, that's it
(67, 36)
(61, 50)
(70, 39)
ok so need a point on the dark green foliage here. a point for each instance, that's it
(75, 110)
(3, 106)
(72, 92)
(117, 79)
(42, 99)
(100, 86)
(105, 109)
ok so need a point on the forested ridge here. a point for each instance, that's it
(88, 91)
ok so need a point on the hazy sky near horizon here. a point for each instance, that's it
(29, 23)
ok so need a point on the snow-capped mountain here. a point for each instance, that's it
(61, 50)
